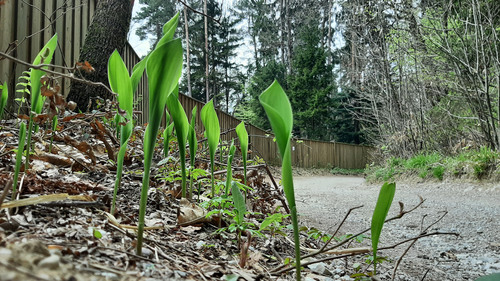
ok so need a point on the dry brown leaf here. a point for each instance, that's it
(45, 199)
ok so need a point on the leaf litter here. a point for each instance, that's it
(63, 229)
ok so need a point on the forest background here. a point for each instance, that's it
(406, 76)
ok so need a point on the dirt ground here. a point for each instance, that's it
(473, 213)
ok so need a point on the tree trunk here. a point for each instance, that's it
(107, 32)
(188, 68)
(207, 92)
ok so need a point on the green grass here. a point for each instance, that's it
(347, 172)
(475, 164)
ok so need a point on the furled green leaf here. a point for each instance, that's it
(379, 214)
(163, 68)
(242, 133)
(167, 134)
(212, 130)
(229, 173)
(181, 125)
(239, 202)
(193, 146)
(44, 57)
(279, 112)
(169, 30)
(3, 98)
(137, 73)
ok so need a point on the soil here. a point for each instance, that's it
(473, 212)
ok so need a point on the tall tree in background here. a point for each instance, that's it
(311, 86)
(105, 34)
(152, 16)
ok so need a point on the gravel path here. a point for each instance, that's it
(473, 212)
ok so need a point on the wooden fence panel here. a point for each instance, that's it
(71, 23)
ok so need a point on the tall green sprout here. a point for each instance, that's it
(384, 202)
(54, 128)
(19, 157)
(37, 100)
(121, 84)
(167, 134)
(242, 133)
(181, 125)
(279, 112)
(212, 129)
(164, 68)
(193, 146)
(229, 173)
(3, 98)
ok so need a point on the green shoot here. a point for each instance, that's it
(44, 57)
(54, 128)
(229, 173)
(212, 129)
(243, 136)
(121, 84)
(167, 134)
(193, 146)
(279, 112)
(19, 157)
(164, 68)
(181, 125)
(3, 98)
(379, 214)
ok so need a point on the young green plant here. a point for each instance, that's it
(279, 112)
(19, 157)
(3, 98)
(164, 69)
(193, 146)
(229, 172)
(379, 214)
(121, 84)
(242, 133)
(54, 128)
(181, 125)
(37, 100)
(167, 134)
(212, 131)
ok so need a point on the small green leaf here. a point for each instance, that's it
(97, 234)
(239, 203)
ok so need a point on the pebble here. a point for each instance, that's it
(50, 262)
(320, 268)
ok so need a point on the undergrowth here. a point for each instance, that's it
(478, 164)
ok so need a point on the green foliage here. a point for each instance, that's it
(19, 157)
(167, 134)
(274, 224)
(193, 146)
(164, 68)
(242, 133)
(384, 202)
(347, 172)
(229, 172)
(121, 83)
(212, 131)
(3, 98)
(279, 112)
(43, 57)
(181, 125)
(312, 81)
(54, 128)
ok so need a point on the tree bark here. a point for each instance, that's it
(107, 32)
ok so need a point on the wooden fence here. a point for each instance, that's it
(33, 22)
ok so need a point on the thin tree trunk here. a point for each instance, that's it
(188, 68)
(207, 93)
